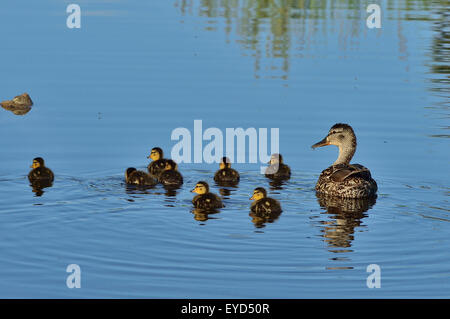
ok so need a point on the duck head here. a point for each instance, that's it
(156, 153)
(129, 171)
(259, 193)
(201, 188)
(170, 165)
(343, 136)
(37, 162)
(225, 163)
(276, 159)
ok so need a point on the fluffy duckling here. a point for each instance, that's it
(40, 173)
(170, 176)
(343, 179)
(158, 164)
(205, 199)
(262, 204)
(135, 177)
(225, 174)
(277, 170)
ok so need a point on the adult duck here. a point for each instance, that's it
(343, 179)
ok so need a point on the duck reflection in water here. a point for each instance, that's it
(203, 215)
(345, 215)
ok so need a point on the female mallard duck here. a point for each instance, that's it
(225, 174)
(262, 204)
(205, 199)
(170, 176)
(343, 179)
(135, 177)
(40, 173)
(158, 164)
(277, 169)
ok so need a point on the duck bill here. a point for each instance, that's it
(323, 142)
(251, 198)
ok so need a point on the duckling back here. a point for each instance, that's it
(278, 172)
(266, 206)
(155, 168)
(141, 178)
(171, 178)
(208, 201)
(226, 176)
(41, 174)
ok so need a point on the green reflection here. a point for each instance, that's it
(273, 31)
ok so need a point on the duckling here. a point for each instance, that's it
(19, 105)
(226, 175)
(277, 169)
(343, 179)
(170, 176)
(40, 173)
(205, 199)
(263, 205)
(158, 164)
(135, 177)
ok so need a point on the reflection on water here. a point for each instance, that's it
(203, 215)
(342, 217)
(274, 32)
(260, 219)
(38, 187)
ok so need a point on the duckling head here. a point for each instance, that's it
(276, 159)
(156, 153)
(201, 188)
(343, 136)
(37, 162)
(259, 193)
(225, 163)
(129, 171)
(171, 165)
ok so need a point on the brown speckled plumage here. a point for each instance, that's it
(343, 179)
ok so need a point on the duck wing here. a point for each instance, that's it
(342, 173)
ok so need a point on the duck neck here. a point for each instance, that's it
(346, 152)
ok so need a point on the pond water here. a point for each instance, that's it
(106, 93)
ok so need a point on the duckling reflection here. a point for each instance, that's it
(226, 176)
(277, 184)
(158, 164)
(346, 215)
(227, 191)
(264, 209)
(203, 215)
(277, 170)
(40, 176)
(19, 105)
